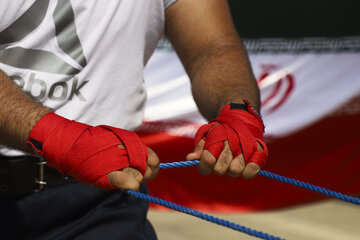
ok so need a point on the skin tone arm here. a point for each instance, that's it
(206, 41)
(19, 114)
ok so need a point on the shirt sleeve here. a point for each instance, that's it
(167, 3)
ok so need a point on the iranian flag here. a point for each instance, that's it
(310, 93)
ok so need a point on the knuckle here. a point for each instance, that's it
(229, 153)
(221, 163)
(237, 166)
(219, 170)
(228, 157)
(148, 173)
(235, 170)
(153, 160)
(208, 161)
(197, 148)
(134, 173)
(200, 145)
(240, 162)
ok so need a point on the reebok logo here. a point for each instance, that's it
(58, 92)
(42, 60)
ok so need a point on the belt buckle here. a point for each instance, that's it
(40, 180)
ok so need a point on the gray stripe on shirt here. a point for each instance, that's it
(167, 3)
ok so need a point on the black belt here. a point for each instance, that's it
(27, 174)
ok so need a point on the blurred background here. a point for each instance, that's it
(306, 58)
(289, 19)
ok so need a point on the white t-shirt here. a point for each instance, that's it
(84, 59)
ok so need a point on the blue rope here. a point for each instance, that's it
(179, 164)
(201, 215)
(277, 177)
(311, 187)
(226, 223)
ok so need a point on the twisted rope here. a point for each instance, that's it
(311, 187)
(201, 215)
(232, 225)
(179, 164)
(277, 177)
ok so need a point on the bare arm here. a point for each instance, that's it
(206, 41)
(18, 114)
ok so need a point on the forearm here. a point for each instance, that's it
(223, 75)
(18, 114)
(207, 43)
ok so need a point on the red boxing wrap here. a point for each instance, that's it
(87, 153)
(243, 128)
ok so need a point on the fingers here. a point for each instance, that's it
(223, 163)
(237, 166)
(197, 152)
(128, 178)
(204, 130)
(152, 165)
(207, 162)
(131, 178)
(252, 168)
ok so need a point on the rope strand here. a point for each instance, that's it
(203, 216)
(232, 225)
(311, 187)
(179, 164)
(279, 178)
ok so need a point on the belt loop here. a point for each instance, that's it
(40, 180)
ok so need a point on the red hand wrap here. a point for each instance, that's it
(242, 128)
(87, 153)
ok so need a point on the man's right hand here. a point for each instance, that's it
(103, 156)
(18, 116)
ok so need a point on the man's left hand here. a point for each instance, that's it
(232, 143)
(225, 164)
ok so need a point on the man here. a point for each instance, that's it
(84, 61)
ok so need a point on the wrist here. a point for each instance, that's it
(42, 129)
(245, 113)
(245, 106)
(17, 126)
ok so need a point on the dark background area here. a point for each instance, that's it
(293, 19)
